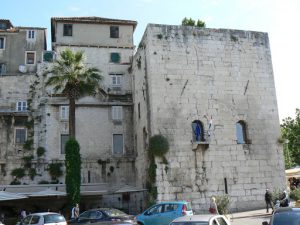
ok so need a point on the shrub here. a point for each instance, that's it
(73, 171)
(55, 170)
(40, 151)
(158, 145)
(32, 173)
(295, 194)
(18, 173)
(223, 203)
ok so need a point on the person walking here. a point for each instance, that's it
(75, 212)
(213, 208)
(268, 199)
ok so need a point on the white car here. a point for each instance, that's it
(44, 218)
(206, 219)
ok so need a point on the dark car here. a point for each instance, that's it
(102, 215)
(285, 216)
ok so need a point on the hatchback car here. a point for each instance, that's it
(103, 214)
(209, 219)
(285, 216)
(44, 218)
(163, 213)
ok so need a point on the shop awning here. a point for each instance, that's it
(7, 196)
(47, 192)
(295, 172)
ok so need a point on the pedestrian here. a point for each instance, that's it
(75, 212)
(284, 201)
(268, 199)
(213, 208)
(23, 214)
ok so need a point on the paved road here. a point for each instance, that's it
(250, 218)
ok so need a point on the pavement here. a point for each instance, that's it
(249, 214)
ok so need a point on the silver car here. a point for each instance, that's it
(44, 218)
(206, 219)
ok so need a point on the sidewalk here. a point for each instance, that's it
(248, 214)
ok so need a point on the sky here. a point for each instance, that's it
(279, 18)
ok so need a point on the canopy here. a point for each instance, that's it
(295, 172)
(47, 192)
(128, 188)
(5, 196)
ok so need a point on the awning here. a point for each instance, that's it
(295, 172)
(6, 196)
(47, 192)
(128, 188)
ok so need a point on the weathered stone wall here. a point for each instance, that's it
(223, 75)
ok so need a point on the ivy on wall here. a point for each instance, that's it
(158, 147)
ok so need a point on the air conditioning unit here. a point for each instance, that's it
(22, 68)
(49, 56)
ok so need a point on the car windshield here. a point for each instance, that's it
(54, 218)
(288, 217)
(114, 212)
(190, 223)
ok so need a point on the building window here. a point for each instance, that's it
(116, 79)
(139, 110)
(20, 135)
(2, 69)
(2, 42)
(68, 29)
(241, 137)
(118, 144)
(115, 57)
(198, 131)
(114, 32)
(21, 106)
(30, 58)
(64, 112)
(31, 34)
(117, 113)
(63, 140)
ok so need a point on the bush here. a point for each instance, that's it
(40, 151)
(18, 173)
(158, 145)
(295, 194)
(223, 203)
(55, 170)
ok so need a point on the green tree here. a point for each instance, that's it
(73, 171)
(191, 22)
(290, 132)
(72, 78)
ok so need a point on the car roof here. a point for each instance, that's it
(203, 217)
(173, 202)
(43, 213)
(285, 209)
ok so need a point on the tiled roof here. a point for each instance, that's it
(94, 19)
(7, 22)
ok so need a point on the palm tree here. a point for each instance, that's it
(72, 78)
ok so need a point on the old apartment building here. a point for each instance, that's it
(210, 92)
(21, 50)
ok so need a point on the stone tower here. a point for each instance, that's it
(211, 93)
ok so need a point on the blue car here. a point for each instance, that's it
(163, 213)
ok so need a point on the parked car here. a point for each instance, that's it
(44, 218)
(284, 216)
(205, 219)
(103, 214)
(163, 213)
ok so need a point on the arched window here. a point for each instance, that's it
(241, 137)
(198, 131)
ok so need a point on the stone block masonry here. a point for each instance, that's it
(218, 77)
